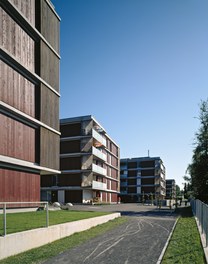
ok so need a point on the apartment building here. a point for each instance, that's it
(89, 162)
(170, 189)
(142, 178)
(29, 97)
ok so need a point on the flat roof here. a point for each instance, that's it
(140, 158)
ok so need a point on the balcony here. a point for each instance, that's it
(96, 152)
(99, 185)
(101, 141)
(99, 170)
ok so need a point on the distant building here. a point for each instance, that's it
(142, 178)
(29, 97)
(89, 161)
(170, 189)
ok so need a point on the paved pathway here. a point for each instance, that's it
(139, 240)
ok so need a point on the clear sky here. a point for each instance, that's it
(140, 67)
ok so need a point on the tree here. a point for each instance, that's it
(178, 191)
(198, 169)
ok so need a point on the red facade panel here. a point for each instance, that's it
(108, 184)
(114, 149)
(114, 173)
(114, 161)
(114, 185)
(17, 140)
(114, 198)
(16, 186)
(104, 196)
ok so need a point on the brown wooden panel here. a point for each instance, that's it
(49, 107)
(132, 173)
(18, 186)
(50, 26)
(70, 146)
(72, 163)
(114, 198)
(17, 140)
(27, 8)
(114, 161)
(131, 181)
(147, 181)
(132, 165)
(114, 149)
(114, 185)
(147, 164)
(71, 130)
(114, 173)
(104, 196)
(147, 172)
(69, 180)
(46, 180)
(73, 196)
(132, 190)
(148, 190)
(49, 66)
(49, 149)
(16, 90)
(16, 41)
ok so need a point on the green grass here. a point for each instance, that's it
(43, 253)
(185, 245)
(17, 222)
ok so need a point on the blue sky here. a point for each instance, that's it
(140, 67)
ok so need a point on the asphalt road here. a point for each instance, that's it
(140, 240)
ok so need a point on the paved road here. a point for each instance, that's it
(139, 240)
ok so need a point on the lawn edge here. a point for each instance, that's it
(167, 242)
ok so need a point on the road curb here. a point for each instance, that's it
(167, 242)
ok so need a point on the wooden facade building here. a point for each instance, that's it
(89, 162)
(29, 97)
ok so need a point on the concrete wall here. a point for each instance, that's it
(19, 242)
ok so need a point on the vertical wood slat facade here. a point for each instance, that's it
(49, 149)
(49, 107)
(17, 42)
(21, 95)
(19, 186)
(49, 66)
(50, 26)
(16, 139)
(30, 134)
(27, 8)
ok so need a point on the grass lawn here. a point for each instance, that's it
(41, 254)
(17, 222)
(185, 245)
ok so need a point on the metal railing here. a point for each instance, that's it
(4, 206)
(200, 211)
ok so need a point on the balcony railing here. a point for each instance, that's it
(99, 185)
(99, 170)
(99, 137)
(96, 152)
